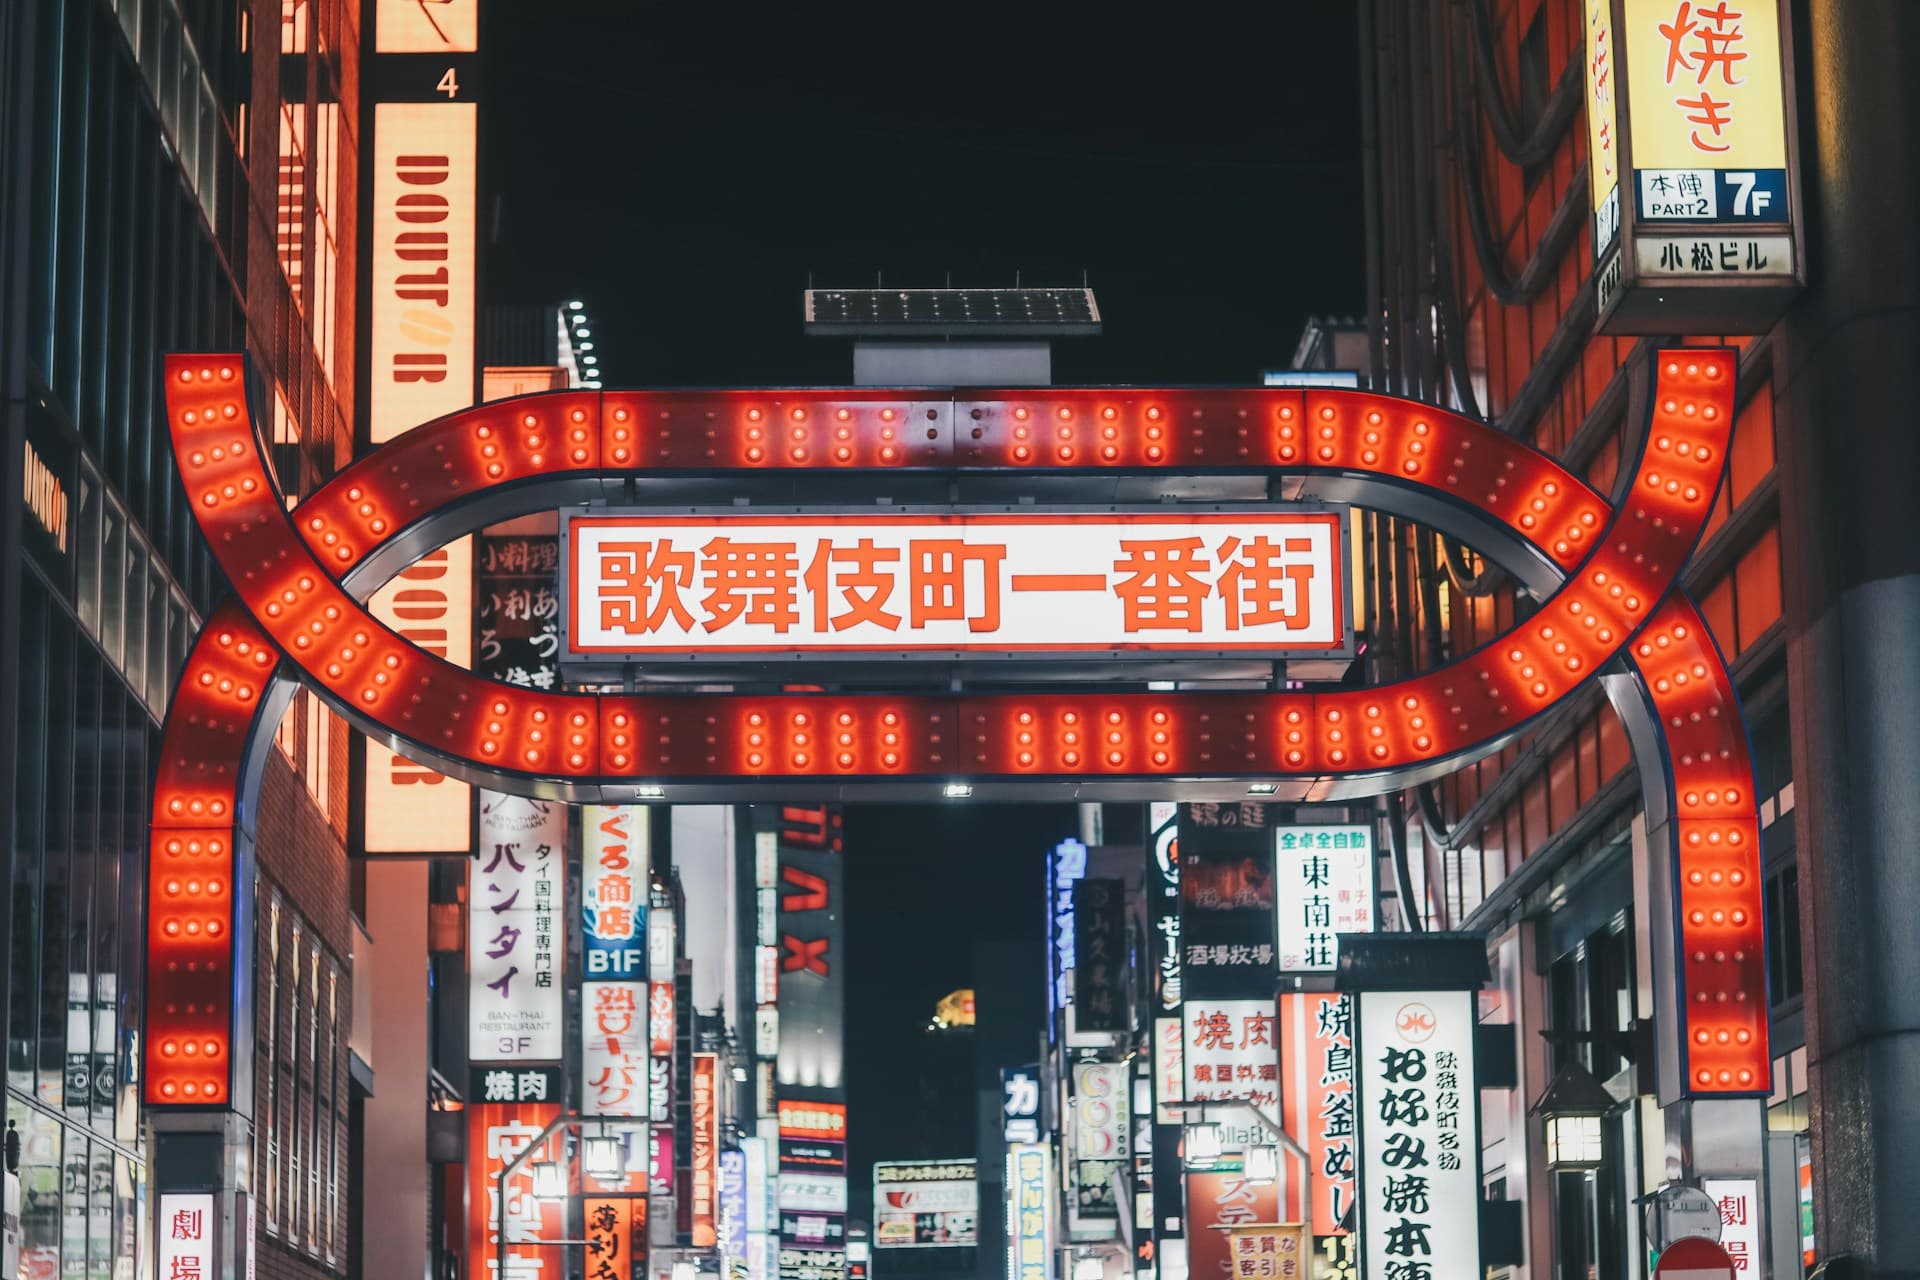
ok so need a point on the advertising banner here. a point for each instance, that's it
(1227, 926)
(814, 1192)
(706, 1150)
(1100, 956)
(1419, 1132)
(812, 1008)
(613, 1058)
(925, 1204)
(1317, 1105)
(496, 1133)
(515, 931)
(1269, 1251)
(733, 1202)
(185, 1227)
(1323, 879)
(1225, 1199)
(1100, 1139)
(689, 586)
(1030, 1212)
(616, 1247)
(1020, 1104)
(1232, 1051)
(519, 608)
(1064, 869)
(613, 892)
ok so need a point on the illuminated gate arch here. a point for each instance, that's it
(1604, 575)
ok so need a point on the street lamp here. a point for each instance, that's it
(1263, 1165)
(1203, 1142)
(1572, 1108)
(549, 1180)
(605, 1157)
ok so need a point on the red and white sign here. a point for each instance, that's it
(1223, 1200)
(824, 1120)
(497, 1133)
(1738, 1200)
(944, 582)
(185, 1228)
(1694, 1259)
(613, 1048)
(1232, 1051)
(660, 1019)
(1317, 1104)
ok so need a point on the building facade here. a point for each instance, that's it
(177, 177)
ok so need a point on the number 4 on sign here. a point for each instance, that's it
(449, 84)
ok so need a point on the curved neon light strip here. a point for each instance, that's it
(1619, 564)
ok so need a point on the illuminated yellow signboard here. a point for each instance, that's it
(1691, 155)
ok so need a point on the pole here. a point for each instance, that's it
(1850, 546)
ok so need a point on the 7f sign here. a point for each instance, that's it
(1266, 581)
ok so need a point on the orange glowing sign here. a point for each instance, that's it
(677, 586)
(823, 1120)
(706, 1149)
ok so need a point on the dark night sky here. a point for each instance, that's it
(685, 168)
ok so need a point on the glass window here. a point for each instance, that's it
(29, 836)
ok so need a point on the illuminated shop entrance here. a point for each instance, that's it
(994, 532)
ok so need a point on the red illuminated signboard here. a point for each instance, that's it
(706, 1149)
(1267, 581)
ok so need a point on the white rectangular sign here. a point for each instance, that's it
(813, 1192)
(1268, 581)
(1231, 1050)
(613, 1047)
(186, 1236)
(1419, 1132)
(1100, 1129)
(925, 1204)
(516, 933)
(1323, 887)
(1738, 1200)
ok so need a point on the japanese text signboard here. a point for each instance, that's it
(496, 1133)
(185, 1227)
(1419, 1133)
(1317, 1108)
(706, 1150)
(519, 609)
(516, 933)
(1101, 1134)
(1232, 1051)
(925, 1204)
(1325, 888)
(1268, 1251)
(616, 1238)
(614, 892)
(1738, 1200)
(1691, 152)
(1267, 581)
(1224, 1199)
(1100, 955)
(1227, 925)
(1029, 1212)
(733, 1202)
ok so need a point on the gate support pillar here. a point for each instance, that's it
(1850, 539)
(206, 1153)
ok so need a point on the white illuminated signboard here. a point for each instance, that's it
(185, 1227)
(516, 939)
(1419, 1132)
(642, 586)
(1323, 887)
(924, 1204)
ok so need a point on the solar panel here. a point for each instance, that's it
(935, 312)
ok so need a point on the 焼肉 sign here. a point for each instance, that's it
(1268, 581)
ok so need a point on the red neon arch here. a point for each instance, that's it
(1615, 601)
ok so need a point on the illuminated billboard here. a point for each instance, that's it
(925, 1204)
(1693, 166)
(733, 585)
